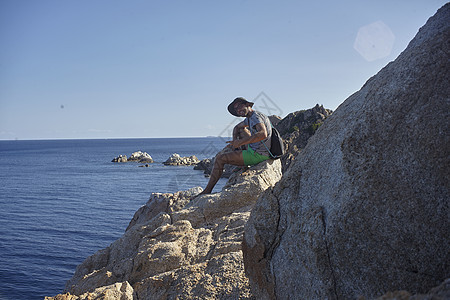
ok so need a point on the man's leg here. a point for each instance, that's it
(232, 158)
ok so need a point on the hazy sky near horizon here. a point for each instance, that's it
(127, 69)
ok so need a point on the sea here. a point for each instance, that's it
(63, 200)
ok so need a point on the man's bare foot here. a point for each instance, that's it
(205, 192)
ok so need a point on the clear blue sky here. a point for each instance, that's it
(126, 69)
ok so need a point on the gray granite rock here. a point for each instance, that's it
(364, 209)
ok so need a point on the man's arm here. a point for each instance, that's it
(260, 134)
(238, 128)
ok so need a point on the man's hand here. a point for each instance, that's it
(234, 144)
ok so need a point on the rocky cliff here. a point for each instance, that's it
(364, 208)
(179, 248)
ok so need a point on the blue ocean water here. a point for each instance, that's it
(62, 200)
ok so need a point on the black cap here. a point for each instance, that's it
(238, 100)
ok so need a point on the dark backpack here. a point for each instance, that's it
(276, 144)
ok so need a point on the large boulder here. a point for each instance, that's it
(364, 208)
(140, 157)
(177, 247)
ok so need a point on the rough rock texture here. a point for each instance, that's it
(178, 248)
(274, 120)
(176, 160)
(116, 291)
(204, 164)
(364, 208)
(297, 128)
(441, 292)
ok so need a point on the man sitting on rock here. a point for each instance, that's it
(250, 144)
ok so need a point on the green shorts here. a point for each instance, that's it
(251, 157)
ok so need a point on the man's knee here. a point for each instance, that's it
(220, 159)
(225, 158)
